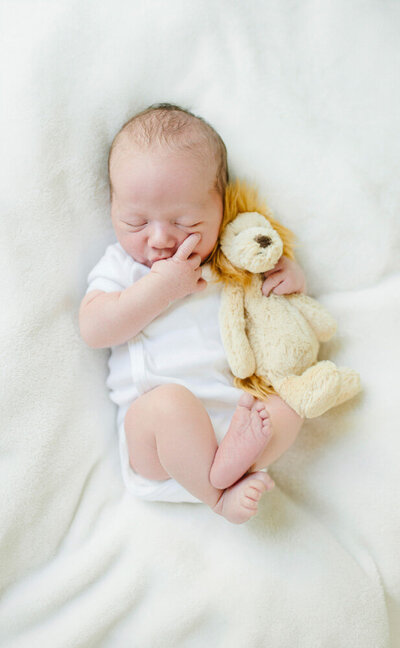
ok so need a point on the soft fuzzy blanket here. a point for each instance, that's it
(306, 97)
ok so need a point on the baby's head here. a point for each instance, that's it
(168, 173)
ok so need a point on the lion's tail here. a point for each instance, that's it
(256, 386)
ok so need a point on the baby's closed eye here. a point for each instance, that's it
(188, 226)
(134, 226)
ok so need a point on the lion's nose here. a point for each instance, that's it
(263, 240)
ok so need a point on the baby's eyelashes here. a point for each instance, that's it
(142, 224)
(134, 225)
(187, 226)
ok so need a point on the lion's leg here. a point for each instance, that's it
(313, 392)
(349, 385)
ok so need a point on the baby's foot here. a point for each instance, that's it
(239, 503)
(248, 434)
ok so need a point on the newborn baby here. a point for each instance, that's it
(185, 432)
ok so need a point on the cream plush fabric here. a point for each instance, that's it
(277, 338)
(306, 97)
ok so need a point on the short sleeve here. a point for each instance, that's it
(113, 272)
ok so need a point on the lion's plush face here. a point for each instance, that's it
(250, 242)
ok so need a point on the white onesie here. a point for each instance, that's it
(182, 345)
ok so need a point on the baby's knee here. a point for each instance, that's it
(157, 403)
(168, 397)
(172, 391)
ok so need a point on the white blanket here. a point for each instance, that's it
(306, 97)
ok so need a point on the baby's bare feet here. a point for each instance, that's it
(239, 503)
(248, 434)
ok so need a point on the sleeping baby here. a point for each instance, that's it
(186, 433)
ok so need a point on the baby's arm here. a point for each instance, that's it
(284, 279)
(110, 318)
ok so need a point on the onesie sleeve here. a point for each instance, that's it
(114, 271)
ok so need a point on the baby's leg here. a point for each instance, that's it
(169, 434)
(286, 425)
(249, 432)
(273, 420)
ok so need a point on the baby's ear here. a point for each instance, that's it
(251, 243)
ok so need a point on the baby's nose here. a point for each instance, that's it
(161, 236)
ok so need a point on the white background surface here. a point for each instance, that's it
(306, 97)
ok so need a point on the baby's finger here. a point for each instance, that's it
(281, 288)
(187, 247)
(195, 259)
(276, 268)
(271, 283)
(201, 284)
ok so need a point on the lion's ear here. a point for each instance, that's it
(241, 197)
(244, 220)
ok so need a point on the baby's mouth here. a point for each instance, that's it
(161, 258)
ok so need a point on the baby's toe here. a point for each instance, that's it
(261, 410)
(266, 423)
(261, 480)
(267, 481)
(250, 504)
(259, 405)
(246, 400)
(254, 493)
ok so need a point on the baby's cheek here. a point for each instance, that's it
(205, 250)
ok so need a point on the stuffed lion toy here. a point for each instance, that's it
(272, 343)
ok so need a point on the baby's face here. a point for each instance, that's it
(160, 198)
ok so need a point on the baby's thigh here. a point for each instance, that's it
(157, 411)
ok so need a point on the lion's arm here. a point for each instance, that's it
(233, 332)
(320, 320)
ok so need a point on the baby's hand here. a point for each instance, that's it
(181, 273)
(285, 278)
